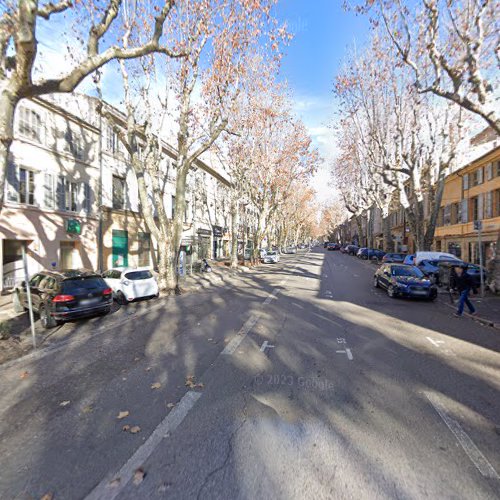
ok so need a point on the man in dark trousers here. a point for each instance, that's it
(462, 282)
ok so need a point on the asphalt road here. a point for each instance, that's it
(312, 384)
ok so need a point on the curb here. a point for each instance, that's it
(479, 319)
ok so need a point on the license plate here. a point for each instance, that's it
(89, 302)
(420, 292)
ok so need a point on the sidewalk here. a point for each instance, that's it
(487, 307)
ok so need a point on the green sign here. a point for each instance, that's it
(73, 226)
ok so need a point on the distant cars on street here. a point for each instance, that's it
(370, 254)
(333, 246)
(129, 284)
(351, 249)
(290, 250)
(59, 296)
(405, 281)
(271, 258)
(397, 258)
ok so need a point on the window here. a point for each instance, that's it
(112, 141)
(455, 249)
(173, 206)
(118, 193)
(488, 204)
(447, 215)
(477, 177)
(26, 186)
(474, 208)
(496, 169)
(144, 249)
(36, 280)
(30, 124)
(465, 182)
(48, 191)
(73, 144)
(496, 207)
(71, 196)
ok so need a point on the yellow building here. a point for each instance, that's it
(471, 194)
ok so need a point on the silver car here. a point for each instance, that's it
(271, 258)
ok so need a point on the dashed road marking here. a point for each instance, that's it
(104, 491)
(472, 451)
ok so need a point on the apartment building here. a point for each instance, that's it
(471, 195)
(50, 199)
(72, 197)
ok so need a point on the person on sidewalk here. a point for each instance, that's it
(461, 281)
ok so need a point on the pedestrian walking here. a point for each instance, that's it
(462, 282)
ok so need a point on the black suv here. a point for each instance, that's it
(58, 296)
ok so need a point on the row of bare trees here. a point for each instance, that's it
(198, 75)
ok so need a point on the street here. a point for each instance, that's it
(297, 380)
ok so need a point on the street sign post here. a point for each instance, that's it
(478, 226)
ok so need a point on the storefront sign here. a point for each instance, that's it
(73, 226)
(204, 232)
(217, 231)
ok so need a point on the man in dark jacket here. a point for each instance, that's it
(462, 282)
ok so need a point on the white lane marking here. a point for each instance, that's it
(347, 352)
(103, 490)
(266, 345)
(473, 452)
(240, 336)
(435, 342)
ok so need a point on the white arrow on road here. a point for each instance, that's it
(265, 345)
(348, 352)
(435, 342)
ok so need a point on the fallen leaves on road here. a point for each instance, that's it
(24, 375)
(64, 403)
(126, 428)
(148, 369)
(122, 414)
(47, 496)
(156, 385)
(137, 359)
(191, 383)
(135, 429)
(115, 483)
(170, 405)
(139, 475)
(88, 409)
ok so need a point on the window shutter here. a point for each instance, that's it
(488, 209)
(48, 194)
(489, 172)
(61, 199)
(465, 182)
(12, 182)
(86, 197)
(465, 208)
(480, 204)
(480, 175)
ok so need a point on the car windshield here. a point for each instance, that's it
(138, 275)
(271, 253)
(406, 271)
(81, 285)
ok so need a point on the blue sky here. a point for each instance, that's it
(323, 31)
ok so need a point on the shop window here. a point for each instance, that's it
(144, 250)
(455, 249)
(474, 208)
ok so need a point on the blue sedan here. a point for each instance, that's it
(405, 281)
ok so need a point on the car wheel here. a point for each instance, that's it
(391, 292)
(120, 298)
(433, 296)
(16, 302)
(375, 282)
(105, 312)
(46, 319)
(364, 257)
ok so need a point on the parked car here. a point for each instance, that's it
(343, 249)
(431, 267)
(416, 258)
(130, 283)
(473, 270)
(403, 280)
(271, 258)
(290, 250)
(370, 254)
(325, 244)
(333, 246)
(397, 258)
(352, 249)
(262, 253)
(58, 296)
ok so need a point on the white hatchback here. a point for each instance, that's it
(130, 283)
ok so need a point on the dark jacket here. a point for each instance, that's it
(461, 283)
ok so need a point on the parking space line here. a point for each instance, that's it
(472, 451)
(104, 491)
